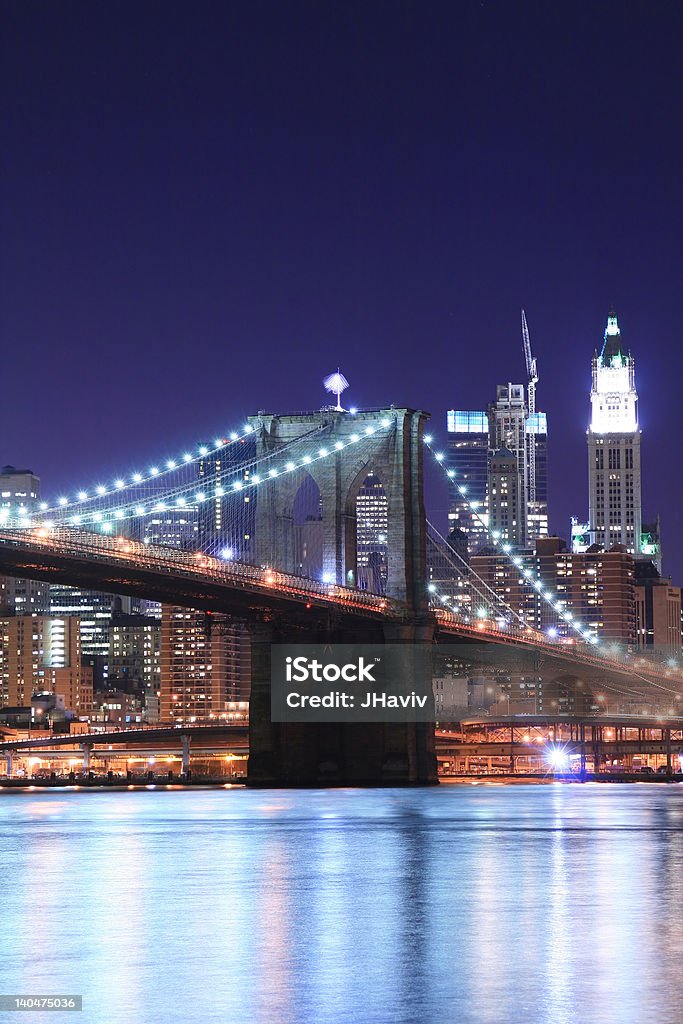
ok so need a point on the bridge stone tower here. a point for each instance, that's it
(291, 754)
(393, 453)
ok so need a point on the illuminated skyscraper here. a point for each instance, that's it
(614, 487)
(473, 439)
(371, 534)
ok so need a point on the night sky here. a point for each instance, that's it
(206, 207)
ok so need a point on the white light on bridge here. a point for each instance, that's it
(226, 553)
(338, 445)
(137, 478)
(82, 495)
(43, 505)
(63, 501)
(187, 457)
(119, 484)
(272, 473)
(171, 464)
(154, 471)
(428, 438)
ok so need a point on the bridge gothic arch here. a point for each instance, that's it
(393, 451)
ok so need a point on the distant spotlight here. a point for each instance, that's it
(327, 577)
(226, 553)
(557, 758)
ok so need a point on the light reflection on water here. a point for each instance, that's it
(479, 904)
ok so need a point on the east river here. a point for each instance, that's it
(468, 903)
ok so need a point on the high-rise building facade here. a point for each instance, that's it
(595, 587)
(135, 658)
(614, 484)
(205, 664)
(41, 654)
(475, 439)
(19, 497)
(468, 456)
(372, 523)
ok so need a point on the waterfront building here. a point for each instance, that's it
(42, 654)
(135, 659)
(205, 664)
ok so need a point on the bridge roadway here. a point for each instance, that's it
(195, 580)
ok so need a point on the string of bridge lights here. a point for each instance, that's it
(154, 473)
(553, 600)
(106, 520)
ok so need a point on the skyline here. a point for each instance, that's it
(185, 215)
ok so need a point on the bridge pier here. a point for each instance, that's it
(185, 745)
(9, 758)
(335, 753)
(85, 748)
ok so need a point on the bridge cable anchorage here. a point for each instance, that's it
(527, 576)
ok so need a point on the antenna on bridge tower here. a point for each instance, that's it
(532, 380)
(336, 383)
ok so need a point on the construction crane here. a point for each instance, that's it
(531, 371)
(532, 380)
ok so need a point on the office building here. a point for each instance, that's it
(135, 658)
(614, 481)
(372, 513)
(473, 439)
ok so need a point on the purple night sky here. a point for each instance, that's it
(207, 207)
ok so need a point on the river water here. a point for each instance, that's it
(466, 903)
